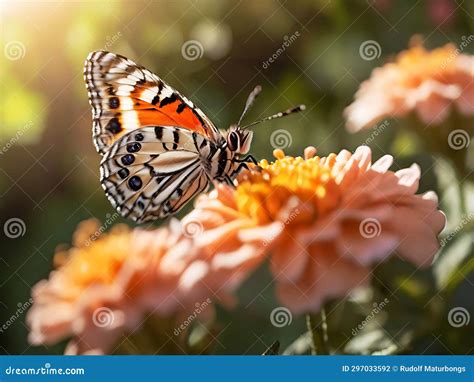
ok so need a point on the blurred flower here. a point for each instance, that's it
(215, 37)
(382, 5)
(442, 12)
(426, 82)
(103, 288)
(322, 221)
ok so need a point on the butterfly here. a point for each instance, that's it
(158, 149)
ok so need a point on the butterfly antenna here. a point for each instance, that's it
(292, 110)
(250, 100)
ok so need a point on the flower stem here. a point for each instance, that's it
(317, 328)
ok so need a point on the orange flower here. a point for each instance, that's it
(427, 82)
(321, 221)
(105, 287)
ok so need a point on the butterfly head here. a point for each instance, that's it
(239, 140)
(239, 137)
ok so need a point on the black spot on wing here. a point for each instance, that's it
(135, 183)
(168, 100)
(175, 139)
(159, 132)
(155, 99)
(128, 159)
(114, 102)
(114, 126)
(180, 108)
(134, 147)
(123, 173)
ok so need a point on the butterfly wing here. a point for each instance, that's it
(125, 96)
(152, 172)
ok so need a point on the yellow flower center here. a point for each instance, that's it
(268, 192)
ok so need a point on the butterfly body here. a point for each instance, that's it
(158, 149)
(156, 175)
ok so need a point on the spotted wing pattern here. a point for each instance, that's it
(125, 96)
(152, 172)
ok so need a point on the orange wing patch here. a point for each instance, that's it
(125, 96)
(169, 111)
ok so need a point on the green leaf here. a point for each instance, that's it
(446, 268)
(450, 190)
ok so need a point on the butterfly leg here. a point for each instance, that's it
(243, 164)
(229, 180)
(248, 158)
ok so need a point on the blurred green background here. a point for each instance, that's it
(49, 168)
